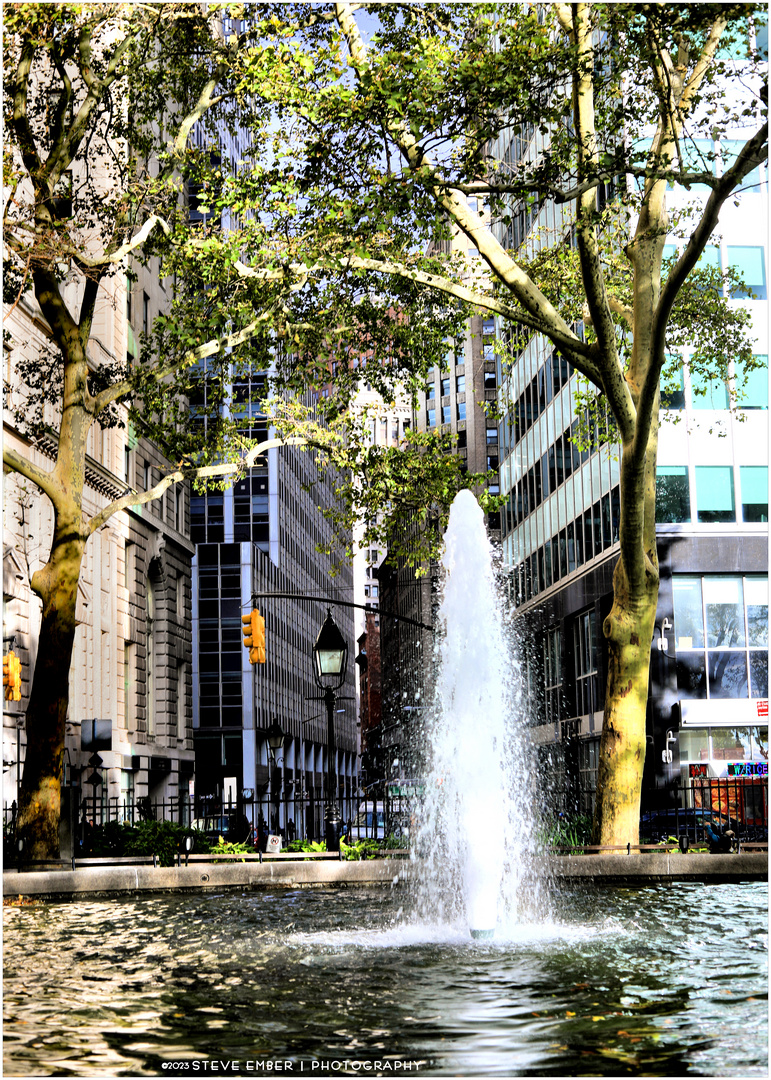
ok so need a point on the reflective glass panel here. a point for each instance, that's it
(689, 621)
(731, 744)
(691, 678)
(728, 674)
(694, 744)
(759, 674)
(723, 600)
(715, 493)
(756, 589)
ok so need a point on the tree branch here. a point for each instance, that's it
(120, 390)
(613, 382)
(88, 262)
(40, 477)
(134, 498)
(508, 272)
(20, 118)
(749, 157)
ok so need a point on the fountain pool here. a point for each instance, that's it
(657, 981)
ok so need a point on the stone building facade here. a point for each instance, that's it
(131, 665)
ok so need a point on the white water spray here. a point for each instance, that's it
(477, 822)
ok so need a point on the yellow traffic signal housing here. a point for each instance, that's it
(254, 636)
(12, 677)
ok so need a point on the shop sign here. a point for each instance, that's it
(739, 712)
(698, 770)
(747, 768)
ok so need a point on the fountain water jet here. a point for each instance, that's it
(477, 818)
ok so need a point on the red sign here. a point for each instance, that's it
(763, 707)
(697, 770)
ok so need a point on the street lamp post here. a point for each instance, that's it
(330, 659)
(275, 743)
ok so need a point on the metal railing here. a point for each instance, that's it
(300, 817)
(738, 803)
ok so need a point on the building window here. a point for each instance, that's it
(721, 636)
(251, 509)
(490, 381)
(588, 762)
(445, 386)
(673, 498)
(145, 313)
(460, 384)
(754, 488)
(219, 635)
(729, 151)
(150, 661)
(749, 262)
(431, 391)
(673, 395)
(127, 794)
(585, 652)
(446, 414)
(715, 493)
(753, 388)
(492, 435)
(431, 413)
(207, 518)
(461, 410)
(179, 509)
(552, 666)
(708, 393)
(130, 566)
(181, 700)
(128, 685)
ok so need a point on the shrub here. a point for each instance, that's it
(161, 838)
(572, 830)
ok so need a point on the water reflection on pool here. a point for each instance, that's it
(658, 981)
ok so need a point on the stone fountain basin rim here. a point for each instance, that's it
(598, 869)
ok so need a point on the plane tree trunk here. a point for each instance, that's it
(40, 792)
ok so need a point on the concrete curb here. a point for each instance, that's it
(141, 879)
(585, 869)
(659, 866)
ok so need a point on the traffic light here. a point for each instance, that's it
(254, 636)
(12, 677)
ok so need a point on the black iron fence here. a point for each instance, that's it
(300, 817)
(737, 803)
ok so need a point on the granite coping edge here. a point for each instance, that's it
(598, 869)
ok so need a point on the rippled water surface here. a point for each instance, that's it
(658, 981)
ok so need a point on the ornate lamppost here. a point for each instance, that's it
(330, 660)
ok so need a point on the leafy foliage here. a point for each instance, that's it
(161, 838)
(569, 831)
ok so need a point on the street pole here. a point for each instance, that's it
(332, 814)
